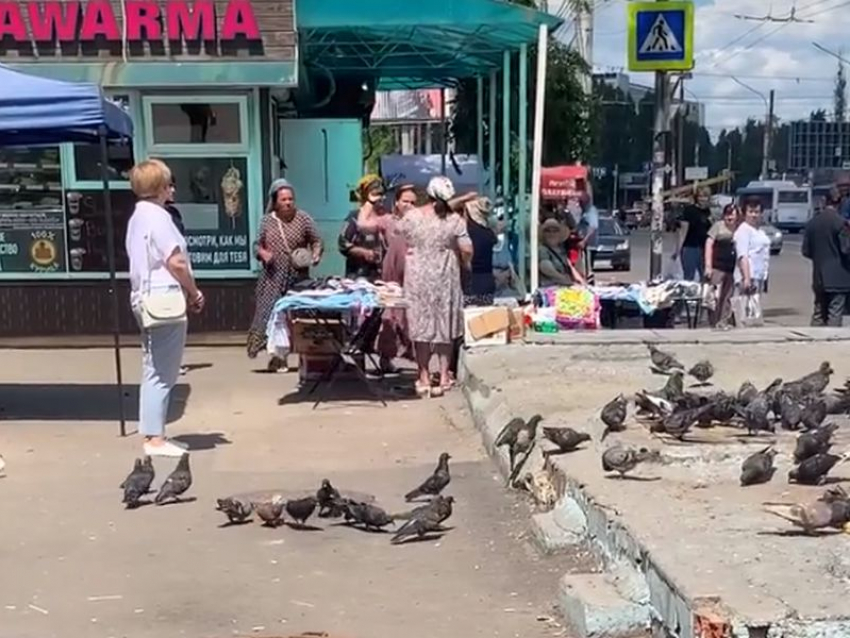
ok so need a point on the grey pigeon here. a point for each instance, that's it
(702, 371)
(814, 469)
(623, 459)
(674, 389)
(236, 510)
(435, 483)
(815, 442)
(816, 382)
(814, 413)
(613, 415)
(519, 436)
(328, 496)
(565, 439)
(790, 412)
(300, 509)
(442, 506)
(509, 433)
(722, 407)
(177, 483)
(652, 406)
(755, 416)
(746, 393)
(680, 422)
(368, 515)
(270, 512)
(662, 361)
(811, 517)
(758, 468)
(137, 483)
(427, 520)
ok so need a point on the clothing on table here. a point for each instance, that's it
(432, 276)
(753, 244)
(277, 276)
(393, 339)
(826, 242)
(366, 236)
(162, 356)
(699, 223)
(723, 253)
(479, 280)
(558, 258)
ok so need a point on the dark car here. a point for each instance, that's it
(613, 248)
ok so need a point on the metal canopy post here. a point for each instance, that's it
(522, 180)
(506, 126)
(537, 150)
(491, 128)
(479, 130)
(113, 293)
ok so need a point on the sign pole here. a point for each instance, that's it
(659, 165)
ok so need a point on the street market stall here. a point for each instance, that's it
(37, 112)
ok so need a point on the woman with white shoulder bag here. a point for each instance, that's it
(161, 281)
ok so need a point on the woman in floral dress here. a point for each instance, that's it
(437, 241)
(288, 244)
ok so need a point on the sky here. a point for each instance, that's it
(763, 55)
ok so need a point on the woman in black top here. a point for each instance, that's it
(693, 231)
(479, 284)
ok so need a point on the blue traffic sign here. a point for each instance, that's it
(661, 36)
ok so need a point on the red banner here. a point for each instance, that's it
(562, 182)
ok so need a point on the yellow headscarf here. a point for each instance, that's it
(368, 183)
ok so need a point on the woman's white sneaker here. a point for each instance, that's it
(164, 449)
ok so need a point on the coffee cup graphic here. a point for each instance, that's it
(75, 228)
(74, 202)
(77, 258)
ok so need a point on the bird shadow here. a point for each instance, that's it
(178, 501)
(227, 524)
(302, 527)
(659, 371)
(191, 367)
(629, 477)
(431, 536)
(557, 452)
(140, 504)
(797, 533)
(205, 441)
(371, 530)
(704, 384)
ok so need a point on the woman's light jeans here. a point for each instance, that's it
(162, 356)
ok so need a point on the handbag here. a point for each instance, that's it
(301, 257)
(160, 307)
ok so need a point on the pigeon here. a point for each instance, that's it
(566, 439)
(370, 516)
(177, 483)
(813, 413)
(3, 466)
(679, 422)
(652, 406)
(271, 511)
(613, 415)
(790, 412)
(675, 386)
(811, 517)
(816, 382)
(758, 468)
(510, 432)
(518, 436)
(755, 416)
(236, 510)
(301, 509)
(746, 393)
(813, 470)
(837, 403)
(328, 496)
(425, 521)
(137, 483)
(702, 371)
(815, 442)
(722, 407)
(662, 361)
(622, 459)
(435, 483)
(441, 504)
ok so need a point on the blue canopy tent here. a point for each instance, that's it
(37, 111)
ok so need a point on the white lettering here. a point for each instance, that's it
(8, 249)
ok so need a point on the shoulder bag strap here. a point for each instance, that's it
(567, 269)
(282, 234)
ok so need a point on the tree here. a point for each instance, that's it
(840, 95)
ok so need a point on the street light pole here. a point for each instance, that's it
(768, 121)
(659, 165)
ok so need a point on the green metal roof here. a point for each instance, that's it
(412, 44)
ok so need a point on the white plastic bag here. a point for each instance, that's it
(278, 343)
(672, 270)
(747, 310)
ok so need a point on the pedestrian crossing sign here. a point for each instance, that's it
(661, 36)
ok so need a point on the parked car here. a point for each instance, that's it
(776, 238)
(613, 248)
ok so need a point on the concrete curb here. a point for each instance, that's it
(635, 593)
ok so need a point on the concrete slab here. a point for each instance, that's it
(767, 334)
(695, 535)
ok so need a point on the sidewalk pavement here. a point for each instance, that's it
(75, 563)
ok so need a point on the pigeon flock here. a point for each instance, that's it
(801, 406)
(422, 522)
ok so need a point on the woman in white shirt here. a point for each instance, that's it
(752, 247)
(159, 265)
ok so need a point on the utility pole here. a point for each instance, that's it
(660, 143)
(768, 134)
(680, 134)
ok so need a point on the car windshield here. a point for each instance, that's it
(608, 226)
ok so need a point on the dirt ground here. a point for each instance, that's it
(75, 563)
(708, 534)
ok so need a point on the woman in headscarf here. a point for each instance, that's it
(438, 240)
(287, 245)
(361, 240)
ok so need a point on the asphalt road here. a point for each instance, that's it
(789, 299)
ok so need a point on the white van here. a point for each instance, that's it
(787, 206)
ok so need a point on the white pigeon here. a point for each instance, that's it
(2, 465)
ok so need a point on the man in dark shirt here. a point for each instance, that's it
(693, 231)
(826, 243)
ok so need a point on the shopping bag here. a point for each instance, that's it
(277, 334)
(577, 308)
(672, 270)
(747, 310)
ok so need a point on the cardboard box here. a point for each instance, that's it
(516, 330)
(313, 337)
(486, 326)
